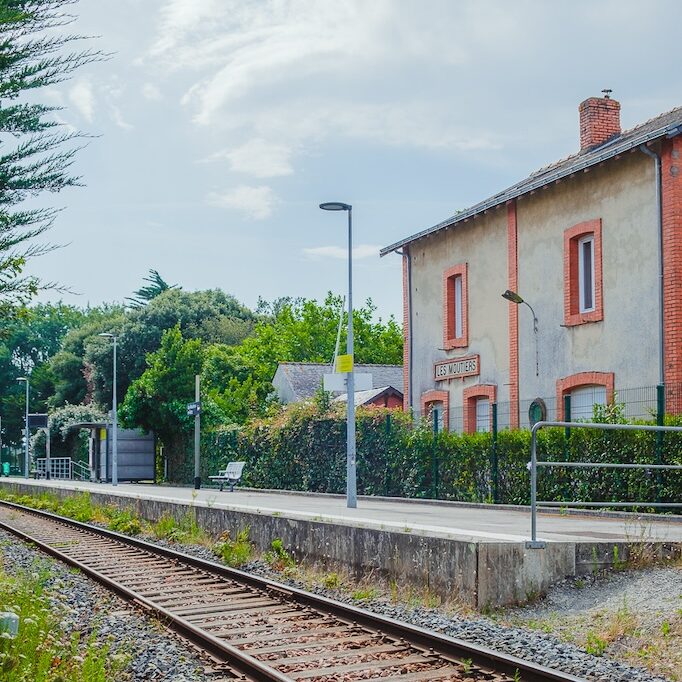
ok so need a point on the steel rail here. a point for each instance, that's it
(443, 645)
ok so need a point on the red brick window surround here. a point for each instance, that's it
(455, 307)
(428, 400)
(471, 396)
(583, 292)
(569, 383)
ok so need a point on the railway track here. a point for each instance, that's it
(262, 629)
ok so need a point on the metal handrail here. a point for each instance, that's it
(81, 470)
(534, 464)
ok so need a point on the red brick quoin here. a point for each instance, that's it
(567, 384)
(671, 186)
(572, 314)
(431, 397)
(471, 394)
(513, 323)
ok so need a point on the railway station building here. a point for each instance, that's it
(589, 250)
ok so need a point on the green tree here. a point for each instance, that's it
(28, 343)
(36, 154)
(71, 372)
(157, 285)
(157, 400)
(198, 315)
(83, 369)
(305, 331)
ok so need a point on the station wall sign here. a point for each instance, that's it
(457, 368)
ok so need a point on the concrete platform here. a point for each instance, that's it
(475, 551)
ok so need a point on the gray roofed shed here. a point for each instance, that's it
(295, 381)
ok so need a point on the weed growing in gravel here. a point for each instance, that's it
(278, 557)
(595, 645)
(363, 595)
(235, 552)
(42, 650)
(332, 581)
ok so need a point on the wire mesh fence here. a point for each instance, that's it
(633, 404)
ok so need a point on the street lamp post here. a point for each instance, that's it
(25, 379)
(515, 298)
(351, 484)
(114, 427)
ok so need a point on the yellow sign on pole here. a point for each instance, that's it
(344, 363)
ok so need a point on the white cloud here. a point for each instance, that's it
(117, 117)
(255, 202)
(275, 71)
(360, 252)
(83, 98)
(259, 158)
(151, 92)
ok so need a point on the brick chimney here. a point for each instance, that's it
(599, 121)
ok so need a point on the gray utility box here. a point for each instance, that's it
(136, 455)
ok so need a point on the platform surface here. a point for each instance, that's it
(483, 523)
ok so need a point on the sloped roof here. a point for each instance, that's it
(665, 125)
(306, 377)
(364, 397)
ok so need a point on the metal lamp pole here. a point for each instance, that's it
(25, 379)
(512, 296)
(114, 426)
(351, 479)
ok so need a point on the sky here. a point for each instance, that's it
(221, 125)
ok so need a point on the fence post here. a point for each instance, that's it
(660, 420)
(434, 460)
(567, 440)
(495, 466)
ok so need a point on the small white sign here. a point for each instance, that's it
(337, 382)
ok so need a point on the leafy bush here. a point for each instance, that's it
(303, 447)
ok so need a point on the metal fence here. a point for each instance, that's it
(60, 467)
(635, 404)
(657, 466)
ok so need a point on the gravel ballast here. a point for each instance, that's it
(154, 654)
(523, 642)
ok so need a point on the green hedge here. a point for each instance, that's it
(304, 448)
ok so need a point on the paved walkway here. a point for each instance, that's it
(445, 519)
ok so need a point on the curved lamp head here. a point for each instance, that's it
(22, 379)
(106, 335)
(335, 206)
(512, 296)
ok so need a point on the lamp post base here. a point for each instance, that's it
(197, 482)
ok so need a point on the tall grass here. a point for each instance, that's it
(43, 651)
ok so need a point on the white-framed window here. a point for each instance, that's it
(583, 400)
(459, 327)
(482, 415)
(586, 274)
